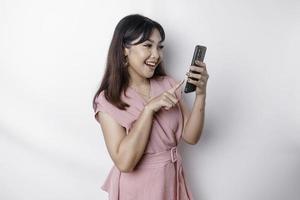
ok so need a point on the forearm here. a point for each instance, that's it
(195, 123)
(132, 147)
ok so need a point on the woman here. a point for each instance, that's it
(143, 117)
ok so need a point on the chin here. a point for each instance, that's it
(149, 76)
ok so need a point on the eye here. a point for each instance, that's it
(148, 45)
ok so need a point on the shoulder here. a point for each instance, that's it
(101, 101)
(101, 98)
(104, 106)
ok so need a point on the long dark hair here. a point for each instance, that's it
(116, 76)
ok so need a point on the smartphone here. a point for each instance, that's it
(199, 54)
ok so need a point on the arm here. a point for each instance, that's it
(126, 150)
(193, 121)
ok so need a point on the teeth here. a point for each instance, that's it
(152, 64)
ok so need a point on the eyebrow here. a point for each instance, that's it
(153, 41)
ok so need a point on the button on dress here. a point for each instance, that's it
(159, 174)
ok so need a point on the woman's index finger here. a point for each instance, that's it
(173, 89)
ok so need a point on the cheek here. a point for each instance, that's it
(160, 52)
(142, 55)
(136, 57)
(161, 56)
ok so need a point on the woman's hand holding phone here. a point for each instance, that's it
(198, 76)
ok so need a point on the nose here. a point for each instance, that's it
(155, 54)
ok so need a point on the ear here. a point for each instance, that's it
(126, 51)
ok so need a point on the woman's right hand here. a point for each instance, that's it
(166, 100)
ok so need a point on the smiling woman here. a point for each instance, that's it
(143, 117)
(135, 51)
(147, 54)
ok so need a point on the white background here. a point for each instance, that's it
(52, 57)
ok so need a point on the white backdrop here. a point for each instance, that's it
(52, 58)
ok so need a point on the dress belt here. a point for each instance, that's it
(160, 159)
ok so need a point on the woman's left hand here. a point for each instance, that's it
(201, 77)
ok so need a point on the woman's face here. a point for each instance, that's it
(145, 57)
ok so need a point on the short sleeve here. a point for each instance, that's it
(172, 83)
(102, 105)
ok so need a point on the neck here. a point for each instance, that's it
(139, 82)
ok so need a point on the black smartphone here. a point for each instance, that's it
(199, 54)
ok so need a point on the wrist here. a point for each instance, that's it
(201, 96)
(148, 110)
(200, 101)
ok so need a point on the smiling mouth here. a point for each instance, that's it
(151, 64)
(151, 67)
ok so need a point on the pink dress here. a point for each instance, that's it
(159, 174)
